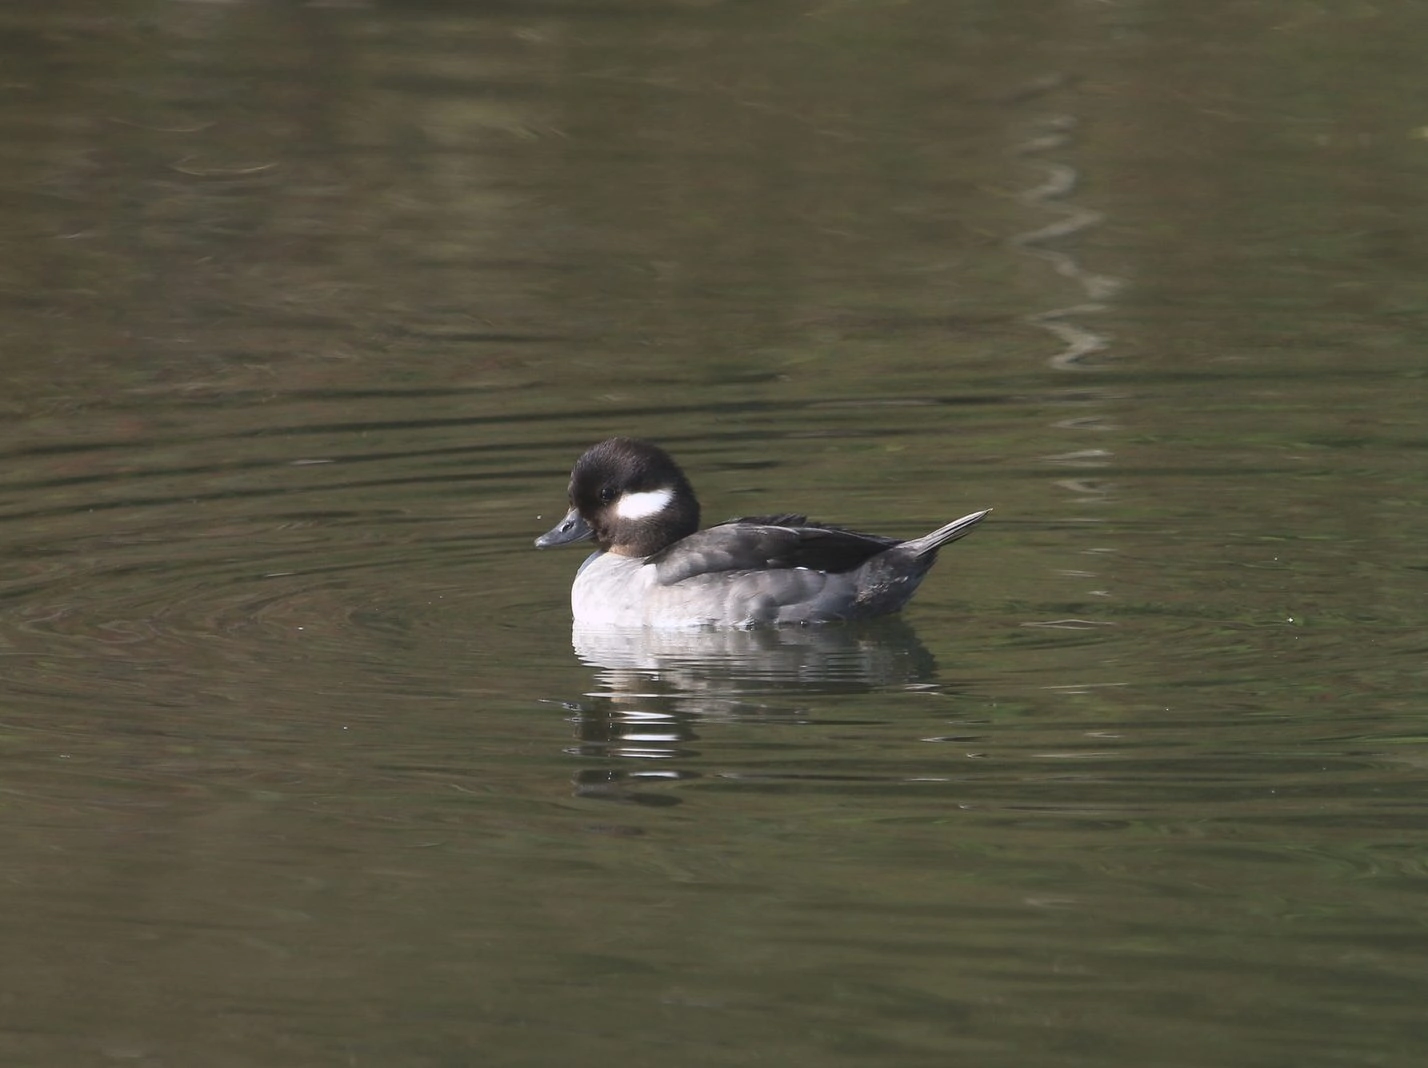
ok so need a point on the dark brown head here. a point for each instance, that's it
(630, 497)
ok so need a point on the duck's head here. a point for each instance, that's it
(629, 497)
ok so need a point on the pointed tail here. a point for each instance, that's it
(958, 528)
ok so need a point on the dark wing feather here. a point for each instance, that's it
(784, 519)
(753, 543)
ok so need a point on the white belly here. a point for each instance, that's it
(624, 591)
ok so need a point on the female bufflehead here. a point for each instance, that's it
(656, 568)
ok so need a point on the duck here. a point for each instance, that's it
(654, 567)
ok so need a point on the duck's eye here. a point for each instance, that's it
(607, 494)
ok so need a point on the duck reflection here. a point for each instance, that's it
(655, 687)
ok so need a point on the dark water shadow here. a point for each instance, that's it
(654, 690)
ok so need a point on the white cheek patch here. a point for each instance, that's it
(643, 505)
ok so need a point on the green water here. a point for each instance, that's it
(307, 311)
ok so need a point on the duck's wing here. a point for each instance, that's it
(755, 543)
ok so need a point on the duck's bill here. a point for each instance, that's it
(571, 528)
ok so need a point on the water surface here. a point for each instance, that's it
(307, 310)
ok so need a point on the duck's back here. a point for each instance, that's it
(747, 572)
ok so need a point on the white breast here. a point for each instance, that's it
(612, 590)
